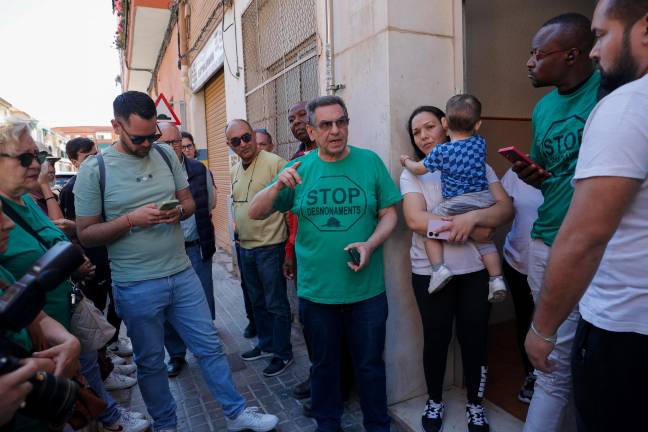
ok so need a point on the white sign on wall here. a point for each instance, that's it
(208, 60)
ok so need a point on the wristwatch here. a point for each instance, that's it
(551, 339)
(181, 211)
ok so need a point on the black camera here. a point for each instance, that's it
(51, 398)
(23, 300)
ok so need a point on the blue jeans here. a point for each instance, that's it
(90, 370)
(363, 323)
(203, 268)
(261, 269)
(144, 307)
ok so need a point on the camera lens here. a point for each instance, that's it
(52, 398)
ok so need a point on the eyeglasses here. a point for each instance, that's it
(174, 142)
(187, 147)
(236, 141)
(326, 125)
(26, 159)
(538, 54)
(139, 139)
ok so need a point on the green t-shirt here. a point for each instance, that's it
(22, 337)
(132, 182)
(23, 250)
(558, 122)
(337, 203)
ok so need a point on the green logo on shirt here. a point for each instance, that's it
(561, 143)
(334, 203)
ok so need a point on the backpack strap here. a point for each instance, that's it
(102, 182)
(164, 156)
(102, 175)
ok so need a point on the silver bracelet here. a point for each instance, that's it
(551, 339)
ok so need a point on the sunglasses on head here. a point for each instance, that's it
(246, 138)
(139, 139)
(26, 159)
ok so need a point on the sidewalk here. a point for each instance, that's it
(197, 411)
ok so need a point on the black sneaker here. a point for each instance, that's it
(255, 354)
(302, 390)
(432, 418)
(276, 366)
(476, 416)
(526, 392)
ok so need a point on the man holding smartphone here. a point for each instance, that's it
(560, 59)
(153, 280)
(344, 199)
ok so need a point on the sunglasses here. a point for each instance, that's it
(174, 142)
(139, 139)
(235, 142)
(26, 159)
(326, 125)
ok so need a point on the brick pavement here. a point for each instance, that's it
(197, 411)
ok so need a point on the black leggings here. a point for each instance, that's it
(523, 305)
(464, 298)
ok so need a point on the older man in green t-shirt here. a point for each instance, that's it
(344, 199)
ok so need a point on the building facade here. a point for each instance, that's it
(254, 58)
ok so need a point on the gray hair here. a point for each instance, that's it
(323, 101)
(11, 130)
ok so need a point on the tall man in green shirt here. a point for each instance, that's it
(344, 199)
(560, 59)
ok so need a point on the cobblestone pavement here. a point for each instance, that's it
(197, 411)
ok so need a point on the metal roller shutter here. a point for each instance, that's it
(216, 119)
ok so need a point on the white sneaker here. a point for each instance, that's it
(496, 289)
(134, 414)
(115, 381)
(251, 418)
(125, 369)
(122, 347)
(115, 359)
(128, 423)
(440, 277)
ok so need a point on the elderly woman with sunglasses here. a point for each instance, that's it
(20, 163)
(34, 234)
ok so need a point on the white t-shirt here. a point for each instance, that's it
(615, 143)
(460, 259)
(526, 200)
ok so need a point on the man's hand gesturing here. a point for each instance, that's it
(289, 177)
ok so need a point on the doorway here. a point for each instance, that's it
(498, 37)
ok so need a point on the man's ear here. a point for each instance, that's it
(116, 126)
(311, 132)
(444, 123)
(478, 125)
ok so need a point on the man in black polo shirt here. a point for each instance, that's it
(199, 237)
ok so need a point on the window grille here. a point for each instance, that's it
(280, 54)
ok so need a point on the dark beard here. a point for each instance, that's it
(625, 71)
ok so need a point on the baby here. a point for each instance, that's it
(464, 187)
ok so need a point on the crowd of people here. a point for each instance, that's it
(573, 260)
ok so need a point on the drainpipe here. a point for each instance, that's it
(331, 87)
(183, 61)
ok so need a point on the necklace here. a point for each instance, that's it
(237, 178)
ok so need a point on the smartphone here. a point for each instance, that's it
(169, 204)
(435, 224)
(514, 155)
(354, 255)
